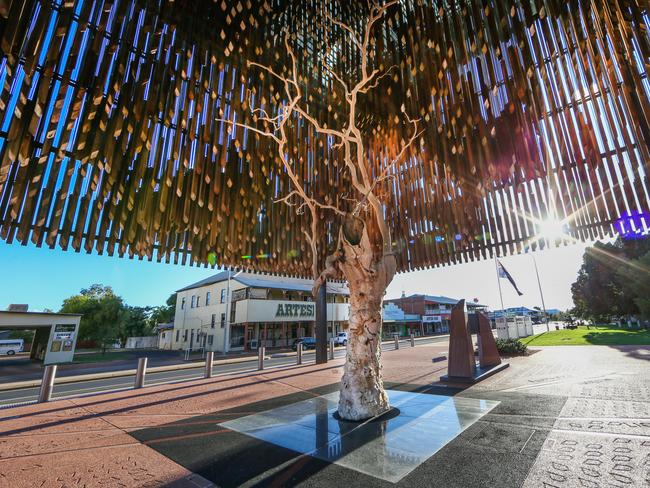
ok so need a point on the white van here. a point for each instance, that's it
(9, 347)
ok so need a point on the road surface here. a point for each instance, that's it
(85, 387)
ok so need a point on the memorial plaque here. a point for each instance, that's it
(591, 460)
(590, 407)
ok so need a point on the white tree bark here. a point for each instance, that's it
(362, 392)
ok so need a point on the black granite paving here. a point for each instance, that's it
(496, 451)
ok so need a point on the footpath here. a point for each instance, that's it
(567, 416)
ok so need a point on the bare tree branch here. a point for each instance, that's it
(353, 35)
(376, 81)
(287, 200)
(349, 139)
(414, 135)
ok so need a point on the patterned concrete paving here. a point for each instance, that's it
(601, 437)
(568, 416)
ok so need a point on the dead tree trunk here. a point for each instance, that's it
(362, 392)
(364, 257)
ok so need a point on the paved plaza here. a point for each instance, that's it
(562, 417)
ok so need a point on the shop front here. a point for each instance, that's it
(436, 324)
(278, 323)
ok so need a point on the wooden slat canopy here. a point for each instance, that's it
(112, 136)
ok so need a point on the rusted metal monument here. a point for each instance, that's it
(325, 138)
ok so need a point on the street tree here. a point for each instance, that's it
(164, 313)
(103, 314)
(137, 322)
(612, 280)
(634, 276)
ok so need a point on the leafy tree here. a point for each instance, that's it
(610, 282)
(137, 323)
(165, 313)
(635, 278)
(104, 314)
(26, 335)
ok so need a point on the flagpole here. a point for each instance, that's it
(541, 294)
(496, 267)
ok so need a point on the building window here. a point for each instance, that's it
(185, 335)
(183, 303)
(223, 320)
(198, 300)
(193, 302)
(178, 333)
(207, 299)
(210, 339)
(223, 295)
(213, 321)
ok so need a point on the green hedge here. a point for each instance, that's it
(511, 346)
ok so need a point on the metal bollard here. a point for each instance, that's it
(396, 342)
(47, 384)
(299, 353)
(260, 358)
(412, 340)
(140, 373)
(331, 348)
(209, 358)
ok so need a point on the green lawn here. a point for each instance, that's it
(599, 335)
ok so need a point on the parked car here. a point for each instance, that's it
(307, 343)
(341, 339)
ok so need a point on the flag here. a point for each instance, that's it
(503, 273)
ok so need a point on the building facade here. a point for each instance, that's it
(242, 311)
(536, 315)
(434, 312)
(422, 314)
(165, 336)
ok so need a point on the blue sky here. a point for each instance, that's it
(43, 277)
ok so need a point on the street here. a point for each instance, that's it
(85, 387)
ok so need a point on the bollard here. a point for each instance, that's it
(396, 342)
(331, 348)
(412, 340)
(140, 373)
(260, 358)
(209, 358)
(299, 353)
(47, 384)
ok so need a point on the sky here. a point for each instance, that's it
(42, 278)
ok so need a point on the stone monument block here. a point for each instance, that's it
(488, 355)
(461, 350)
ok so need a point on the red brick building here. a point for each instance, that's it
(434, 311)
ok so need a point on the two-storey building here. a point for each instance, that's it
(241, 311)
(427, 314)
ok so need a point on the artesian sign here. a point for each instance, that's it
(295, 310)
(278, 311)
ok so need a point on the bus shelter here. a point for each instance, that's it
(56, 333)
